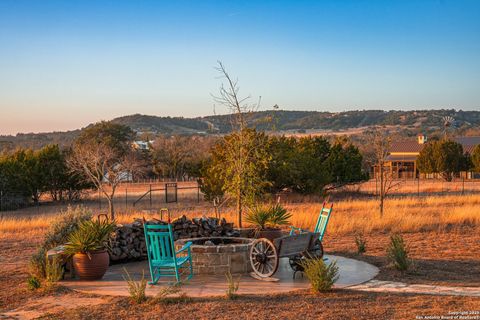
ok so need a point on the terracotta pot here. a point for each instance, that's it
(270, 234)
(92, 268)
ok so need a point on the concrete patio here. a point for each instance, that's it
(352, 272)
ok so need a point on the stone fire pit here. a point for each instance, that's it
(217, 255)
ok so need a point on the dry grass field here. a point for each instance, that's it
(406, 214)
(442, 233)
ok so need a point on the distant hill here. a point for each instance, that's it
(406, 123)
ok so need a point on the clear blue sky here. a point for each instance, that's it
(64, 64)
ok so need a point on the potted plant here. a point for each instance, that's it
(267, 219)
(88, 247)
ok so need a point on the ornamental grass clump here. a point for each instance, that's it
(136, 289)
(232, 286)
(397, 253)
(320, 275)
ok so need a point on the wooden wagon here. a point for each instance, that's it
(298, 245)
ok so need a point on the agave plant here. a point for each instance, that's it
(279, 216)
(264, 216)
(90, 236)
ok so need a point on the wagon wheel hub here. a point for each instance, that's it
(261, 257)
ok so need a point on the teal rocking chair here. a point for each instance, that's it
(163, 259)
(321, 225)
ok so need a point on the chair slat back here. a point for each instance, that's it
(159, 241)
(322, 221)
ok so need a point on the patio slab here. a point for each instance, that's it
(352, 272)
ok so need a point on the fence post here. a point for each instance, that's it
(126, 200)
(418, 186)
(150, 193)
(463, 186)
(198, 193)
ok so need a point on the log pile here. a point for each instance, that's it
(127, 243)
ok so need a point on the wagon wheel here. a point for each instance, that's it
(264, 258)
(315, 252)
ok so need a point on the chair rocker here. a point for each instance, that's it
(163, 259)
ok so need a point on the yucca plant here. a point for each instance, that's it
(278, 216)
(268, 216)
(90, 236)
(258, 216)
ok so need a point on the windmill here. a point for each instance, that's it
(448, 124)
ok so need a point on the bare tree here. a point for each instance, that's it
(102, 165)
(381, 145)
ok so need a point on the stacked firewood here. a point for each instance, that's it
(128, 241)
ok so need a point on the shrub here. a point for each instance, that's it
(33, 283)
(321, 276)
(361, 243)
(136, 289)
(37, 263)
(53, 270)
(398, 253)
(232, 286)
(57, 235)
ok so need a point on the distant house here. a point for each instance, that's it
(142, 145)
(402, 156)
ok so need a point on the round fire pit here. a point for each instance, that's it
(217, 255)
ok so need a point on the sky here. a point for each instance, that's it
(65, 64)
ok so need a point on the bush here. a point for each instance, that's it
(361, 243)
(33, 283)
(321, 276)
(232, 286)
(398, 253)
(136, 289)
(57, 235)
(53, 270)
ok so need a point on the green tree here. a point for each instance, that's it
(310, 170)
(475, 158)
(344, 163)
(240, 160)
(116, 136)
(445, 157)
(244, 151)
(426, 162)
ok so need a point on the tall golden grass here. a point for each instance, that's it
(409, 214)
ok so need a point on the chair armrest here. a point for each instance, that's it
(185, 247)
(295, 229)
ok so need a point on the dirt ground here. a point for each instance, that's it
(449, 258)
